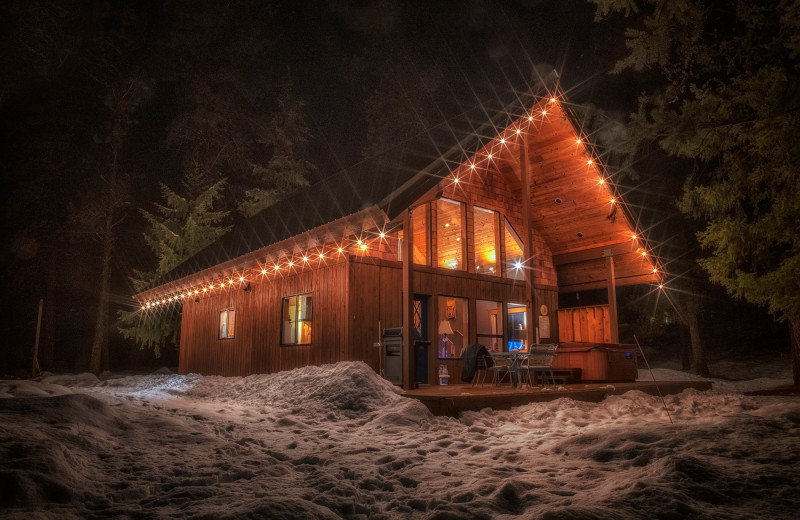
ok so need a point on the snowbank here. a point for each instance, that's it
(339, 442)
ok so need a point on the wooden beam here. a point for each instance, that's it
(618, 248)
(409, 366)
(612, 299)
(601, 284)
(527, 244)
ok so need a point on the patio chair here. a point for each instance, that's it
(482, 365)
(540, 361)
(501, 369)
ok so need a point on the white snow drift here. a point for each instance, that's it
(339, 442)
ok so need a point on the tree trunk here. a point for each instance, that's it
(100, 341)
(101, 324)
(698, 350)
(794, 332)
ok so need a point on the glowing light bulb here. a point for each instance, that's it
(655, 270)
(661, 286)
(340, 250)
(455, 180)
(613, 200)
(519, 131)
(305, 259)
(601, 181)
(471, 166)
(489, 156)
(359, 241)
(241, 278)
(644, 253)
(291, 263)
(589, 162)
(502, 140)
(544, 112)
(383, 235)
(552, 100)
(277, 268)
(321, 256)
(633, 237)
(263, 271)
(517, 265)
(530, 118)
(142, 307)
(577, 141)
(195, 291)
(363, 246)
(230, 282)
(205, 289)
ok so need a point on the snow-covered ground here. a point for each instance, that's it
(337, 441)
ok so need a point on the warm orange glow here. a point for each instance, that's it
(633, 237)
(613, 200)
(578, 141)
(655, 270)
(589, 162)
(552, 100)
(601, 181)
(230, 282)
(340, 250)
(363, 246)
(205, 289)
(644, 253)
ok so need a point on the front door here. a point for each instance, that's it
(421, 337)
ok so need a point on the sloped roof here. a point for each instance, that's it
(392, 181)
(579, 230)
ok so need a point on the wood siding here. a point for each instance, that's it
(586, 324)
(256, 345)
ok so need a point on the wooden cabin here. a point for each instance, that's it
(467, 234)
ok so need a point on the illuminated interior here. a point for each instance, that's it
(450, 234)
(485, 233)
(514, 255)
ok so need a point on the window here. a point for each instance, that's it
(453, 326)
(517, 327)
(485, 241)
(514, 253)
(420, 233)
(296, 316)
(450, 236)
(489, 324)
(227, 323)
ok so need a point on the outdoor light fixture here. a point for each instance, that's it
(517, 265)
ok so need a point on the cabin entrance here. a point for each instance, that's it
(420, 338)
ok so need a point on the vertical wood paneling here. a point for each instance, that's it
(584, 324)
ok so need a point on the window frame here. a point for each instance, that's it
(474, 242)
(464, 266)
(228, 312)
(296, 318)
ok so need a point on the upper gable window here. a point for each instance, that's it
(485, 241)
(421, 236)
(514, 255)
(450, 234)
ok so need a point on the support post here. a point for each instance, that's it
(612, 296)
(409, 359)
(527, 245)
(36, 370)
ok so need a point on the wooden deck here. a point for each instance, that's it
(452, 399)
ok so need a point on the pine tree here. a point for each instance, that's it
(178, 228)
(730, 102)
(285, 171)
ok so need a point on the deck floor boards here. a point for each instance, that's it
(450, 400)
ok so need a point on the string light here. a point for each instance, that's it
(455, 181)
(578, 141)
(613, 200)
(601, 181)
(321, 255)
(544, 112)
(489, 157)
(263, 271)
(340, 250)
(502, 140)
(634, 237)
(552, 100)
(363, 246)
(589, 162)
(383, 235)
(241, 278)
(471, 166)
(519, 131)
(305, 259)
